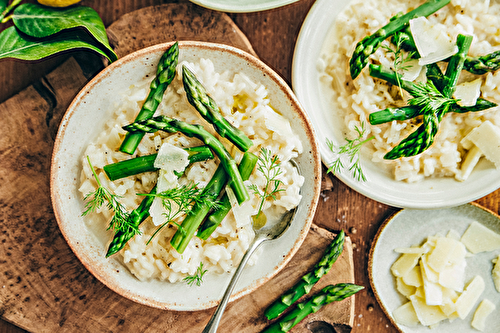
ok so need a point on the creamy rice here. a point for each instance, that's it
(243, 103)
(353, 101)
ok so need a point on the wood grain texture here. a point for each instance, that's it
(272, 35)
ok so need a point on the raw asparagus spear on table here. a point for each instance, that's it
(421, 139)
(165, 73)
(368, 45)
(329, 294)
(208, 109)
(145, 163)
(170, 125)
(305, 284)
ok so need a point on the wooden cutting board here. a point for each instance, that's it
(43, 286)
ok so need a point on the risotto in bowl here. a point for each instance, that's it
(164, 161)
(365, 106)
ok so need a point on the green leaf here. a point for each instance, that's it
(14, 44)
(3, 5)
(39, 21)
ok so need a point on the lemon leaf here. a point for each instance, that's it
(14, 44)
(39, 21)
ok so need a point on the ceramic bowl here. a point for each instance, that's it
(314, 37)
(240, 6)
(83, 121)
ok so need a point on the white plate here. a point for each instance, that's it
(242, 6)
(85, 119)
(409, 227)
(380, 185)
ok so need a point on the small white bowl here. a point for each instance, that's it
(85, 118)
(380, 185)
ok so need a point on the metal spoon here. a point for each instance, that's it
(261, 235)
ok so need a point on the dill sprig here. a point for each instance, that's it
(352, 150)
(179, 201)
(95, 200)
(197, 278)
(270, 166)
(429, 98)
(400, 58)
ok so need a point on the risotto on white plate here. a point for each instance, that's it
(354, 100)
(244, 104)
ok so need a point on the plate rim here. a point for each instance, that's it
(239, 8)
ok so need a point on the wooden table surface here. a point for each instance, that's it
(273, 35)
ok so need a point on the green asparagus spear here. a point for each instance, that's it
(407, 112)
(170, 125)
(135, 218)
(193, 220)
(483, 64)
(412, 111)
(165, 73)
(368, 45)
(475, 65)
(208, 109)
(421, 139)
(329, 294)
(246, 167)
(145, 163)
(305, 284)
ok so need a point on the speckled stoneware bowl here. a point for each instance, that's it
(85, 119)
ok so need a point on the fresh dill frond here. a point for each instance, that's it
(401, 59)
(269, 166)
(352, 150)
(197, 278)
(95, 200)
(179, 201)
(429, 98)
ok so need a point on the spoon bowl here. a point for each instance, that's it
(262, 234)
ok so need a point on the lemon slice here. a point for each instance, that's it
(58, 3)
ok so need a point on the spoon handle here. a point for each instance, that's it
(216, 317)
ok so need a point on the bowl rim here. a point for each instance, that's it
(86, 260)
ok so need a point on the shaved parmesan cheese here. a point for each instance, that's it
(471, 159)
(487, 138)
(468, 92)
(443, 253)
(453, 276)
(171, 158)
(405, 264)
(478, 238)
(469, 297)
(485, 308)
(412, 70)
(426, 314)
(406, 315)
(433, 44)
(404, 289)
(413, 277)
(495, 273)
